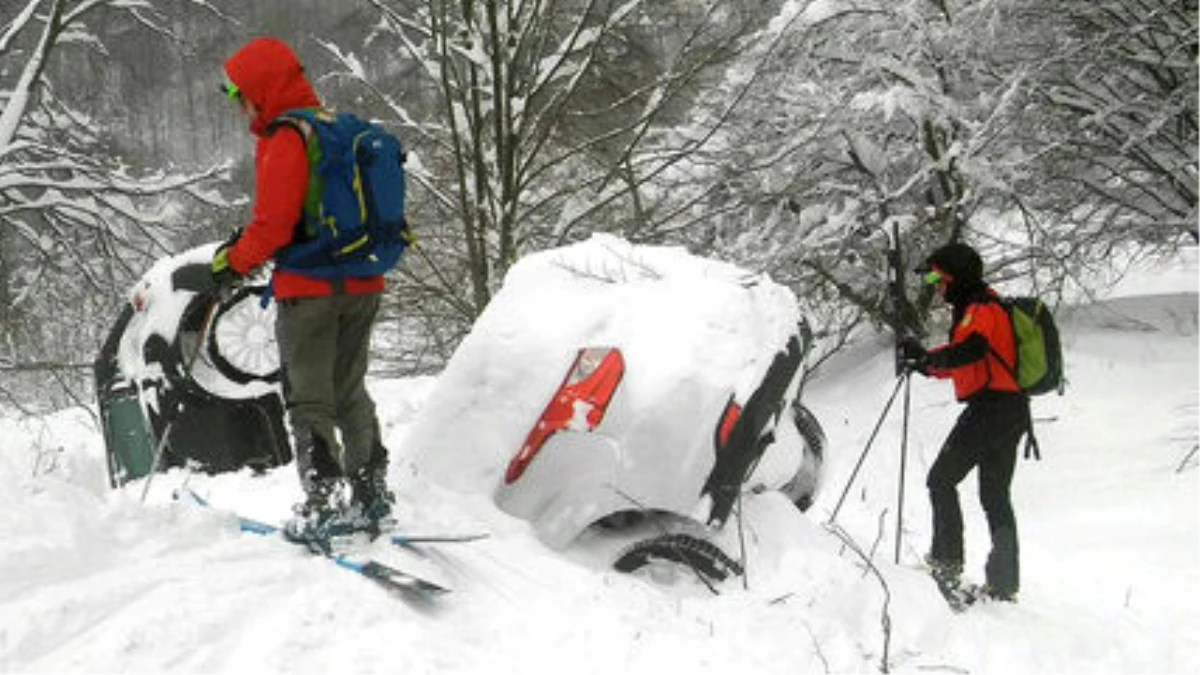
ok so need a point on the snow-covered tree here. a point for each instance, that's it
(77, 221)
(1110, 119)
(537, 122)
(1045, 133)
(872, 117)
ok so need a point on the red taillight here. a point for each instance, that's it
(579, 403)
(728, 418)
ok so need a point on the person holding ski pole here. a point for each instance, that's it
(323, 325)
(979, 359)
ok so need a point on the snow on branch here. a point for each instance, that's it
(78, 221)
(17, 24)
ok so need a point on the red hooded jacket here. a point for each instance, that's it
(269, 75)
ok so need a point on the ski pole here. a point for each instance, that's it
(903, 462)
(899, 380)
(187, 369)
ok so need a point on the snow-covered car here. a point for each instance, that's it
(611, 383)
(189, 376)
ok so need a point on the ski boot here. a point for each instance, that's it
(991, 593)
(372, 500)
(948, 577)
(320, 517)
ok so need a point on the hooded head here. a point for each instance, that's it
(268, 74)
(961, 264)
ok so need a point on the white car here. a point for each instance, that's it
(608, 383)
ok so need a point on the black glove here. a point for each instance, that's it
(913, 357)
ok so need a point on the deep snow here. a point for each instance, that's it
(91, 580)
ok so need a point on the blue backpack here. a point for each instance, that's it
(353, 223)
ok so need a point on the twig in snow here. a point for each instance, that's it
(781, 599)
(816, 645)
(885, 618)
(878, 536)
(626, 268)
(1188, 457)
(51, 462)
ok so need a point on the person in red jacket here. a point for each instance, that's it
(323, 326)
(979, 360)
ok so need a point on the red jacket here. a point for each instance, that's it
(972, 363)
(268, 74)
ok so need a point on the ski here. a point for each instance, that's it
(372, 569)
(401, 539)
(381, 573)
(390, 576)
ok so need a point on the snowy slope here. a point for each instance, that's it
(94, 581)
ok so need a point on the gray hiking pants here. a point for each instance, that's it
(324, 345)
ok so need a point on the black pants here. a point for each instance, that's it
(986, 436)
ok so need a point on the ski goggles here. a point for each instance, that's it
(934, 276)
(231, 91)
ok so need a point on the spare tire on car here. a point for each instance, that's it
(191, 376)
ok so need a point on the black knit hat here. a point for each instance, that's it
(958, 260)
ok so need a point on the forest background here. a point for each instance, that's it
(793, 137)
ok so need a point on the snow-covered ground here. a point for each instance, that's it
(92, 580)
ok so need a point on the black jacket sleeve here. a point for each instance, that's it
(970, 350)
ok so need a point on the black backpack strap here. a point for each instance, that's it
(1004, 364)
(1032, 448)
(1011, 370)
(301, 126)
(1031, 442)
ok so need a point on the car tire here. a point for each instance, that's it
(704, 557)
(810, 430)
(803, 487)
(239, 344)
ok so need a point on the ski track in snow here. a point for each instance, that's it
(93, 581)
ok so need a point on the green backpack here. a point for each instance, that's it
(1039, 366)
